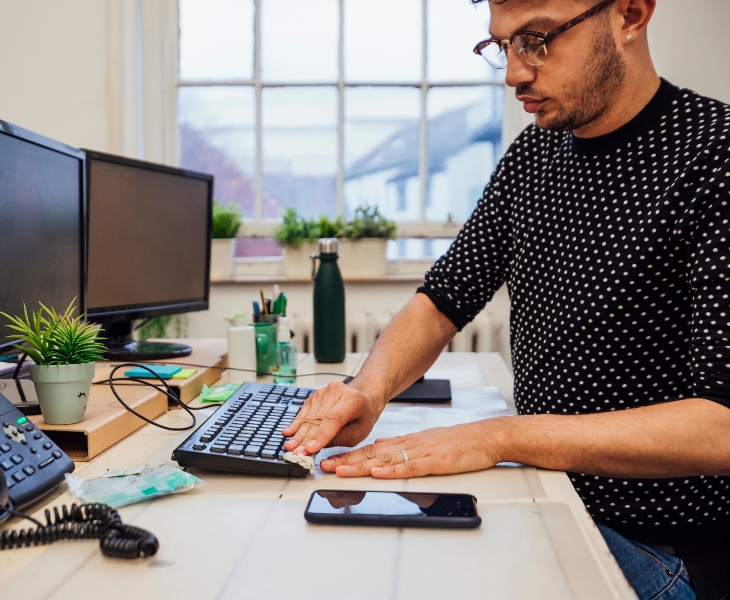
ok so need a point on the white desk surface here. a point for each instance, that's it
(233, 537)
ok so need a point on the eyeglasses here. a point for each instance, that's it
(530, 46)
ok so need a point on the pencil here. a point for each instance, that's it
(263, 301)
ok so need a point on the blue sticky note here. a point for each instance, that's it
(164, 371)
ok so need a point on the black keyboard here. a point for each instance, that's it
(244, 434)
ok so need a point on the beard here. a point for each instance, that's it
(594, 89)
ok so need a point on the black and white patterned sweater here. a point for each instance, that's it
(616, 253)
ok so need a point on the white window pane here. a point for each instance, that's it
(300, 150)
(382, 151)
(218, 136)
(299, 40)
(383, 40)
(216, 39)
(454, 28)
(464, 146)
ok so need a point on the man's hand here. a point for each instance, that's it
(337, 415)
(440, 451)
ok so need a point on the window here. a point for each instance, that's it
(326, 105)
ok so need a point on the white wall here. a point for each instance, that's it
(690, 45)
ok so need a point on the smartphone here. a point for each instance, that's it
(398, 509)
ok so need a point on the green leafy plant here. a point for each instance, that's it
(295, 229)
(56, 339)
(226, 220)
(369, 223)
(157, 327)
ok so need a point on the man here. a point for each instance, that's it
(609, 219)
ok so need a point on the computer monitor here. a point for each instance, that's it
(149, 231)
(41, 225)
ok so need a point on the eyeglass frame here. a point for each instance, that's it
(545, 38)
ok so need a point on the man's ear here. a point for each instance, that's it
(636, 15)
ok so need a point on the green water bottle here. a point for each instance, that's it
(329, 304)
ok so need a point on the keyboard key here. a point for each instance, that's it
(45, 463)
(268, 453)
(218, 449)
(252, 450)
(236, 449)
(290, 392)
(298, 401)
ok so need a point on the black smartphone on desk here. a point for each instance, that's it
(398, 509)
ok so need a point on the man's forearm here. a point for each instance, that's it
(673, 439)
(405, 350)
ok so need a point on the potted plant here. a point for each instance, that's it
(226, 223)
(298, 238)
(363, 242)
(65, 350)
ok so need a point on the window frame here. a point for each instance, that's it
(261, 227)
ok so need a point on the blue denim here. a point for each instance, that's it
(653, 574)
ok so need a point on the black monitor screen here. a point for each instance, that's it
(40, 227)
(149, 238)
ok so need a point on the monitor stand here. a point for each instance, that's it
(122, 347)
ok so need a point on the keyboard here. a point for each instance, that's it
(244, 434)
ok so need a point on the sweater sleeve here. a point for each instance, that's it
(709, 275)
(463, 280)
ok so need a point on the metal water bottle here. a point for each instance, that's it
(329, 304)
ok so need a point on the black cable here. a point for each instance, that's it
(168, 391)
(21, 360)
(157, 362)
(83, 522)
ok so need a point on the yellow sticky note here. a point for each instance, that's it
(185, 374)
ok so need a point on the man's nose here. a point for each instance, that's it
(518, 71)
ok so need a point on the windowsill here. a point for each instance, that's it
(271, 270)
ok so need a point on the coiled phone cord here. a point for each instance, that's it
(84, 522)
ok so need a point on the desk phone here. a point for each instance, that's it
(30, 462)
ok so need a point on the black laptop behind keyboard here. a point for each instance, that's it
(244, 434)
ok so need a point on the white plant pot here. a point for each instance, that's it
(358, 259)
(63, 391)
(363, 259)
(298, 261)
(221, 258)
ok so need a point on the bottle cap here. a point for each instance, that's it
(328, 246)
(240, 321)
(283, 334)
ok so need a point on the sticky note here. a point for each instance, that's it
(164, 371)
(185, 373)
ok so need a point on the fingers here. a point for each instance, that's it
(322, 417)
(404, 470)
(359, 463)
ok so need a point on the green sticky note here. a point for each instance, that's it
(185, 374)
(218, 393)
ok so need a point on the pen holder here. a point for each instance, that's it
(268, 318)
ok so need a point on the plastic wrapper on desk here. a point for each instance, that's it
(121, 491)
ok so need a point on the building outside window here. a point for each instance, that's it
(328, 105)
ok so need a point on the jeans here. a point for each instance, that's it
(653, 574)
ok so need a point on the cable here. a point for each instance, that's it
(168, 391)
(157, 362)
(21, 360)
(84, 522)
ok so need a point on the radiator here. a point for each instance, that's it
(488, 332)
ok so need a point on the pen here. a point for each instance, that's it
(256, 308)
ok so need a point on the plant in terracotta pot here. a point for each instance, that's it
(226, 223)
(65, 350)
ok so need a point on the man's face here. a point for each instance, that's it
(583, 71)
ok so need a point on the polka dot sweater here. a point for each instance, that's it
(616, 253)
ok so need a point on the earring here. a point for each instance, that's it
(628, 37)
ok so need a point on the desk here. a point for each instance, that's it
(226, 540)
